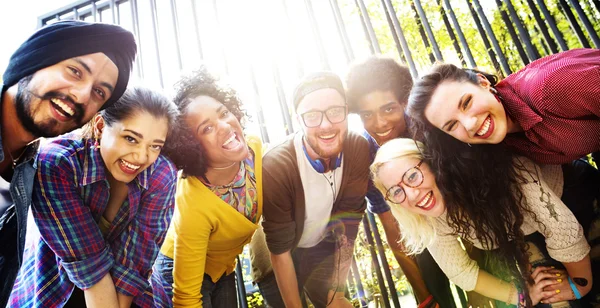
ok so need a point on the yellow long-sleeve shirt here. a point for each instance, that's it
(206, 234)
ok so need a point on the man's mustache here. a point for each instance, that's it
(53, 94)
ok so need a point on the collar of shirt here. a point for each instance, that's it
(515, 107)
(93, 167)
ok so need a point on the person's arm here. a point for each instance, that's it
(67, 226)
(136, 248)
(193, 226)
(408, 264)
(285, 274)
(102, 294)
(565, 240)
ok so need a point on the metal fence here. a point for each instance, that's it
(265, 46)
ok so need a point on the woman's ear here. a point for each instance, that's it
(484, 82)
(98, 126)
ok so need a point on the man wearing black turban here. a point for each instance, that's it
(54, 83)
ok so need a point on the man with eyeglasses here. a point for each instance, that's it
(314, 187)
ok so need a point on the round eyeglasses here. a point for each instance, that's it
(413, 177)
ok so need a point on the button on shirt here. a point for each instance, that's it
(70, 195)
(556, 100)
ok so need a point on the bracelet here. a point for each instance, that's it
(574, 288)
(511, 292)
(522, 302)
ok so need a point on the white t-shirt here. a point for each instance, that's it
(320, 191)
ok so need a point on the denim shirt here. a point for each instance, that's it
(13, 220)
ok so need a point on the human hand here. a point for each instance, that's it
(565, 291)
(545, 280)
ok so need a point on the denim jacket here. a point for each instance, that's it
(13, 220)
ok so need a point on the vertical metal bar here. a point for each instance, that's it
(358, 282)
(118, 13)
(390, 23)
(384, 293)
(573, 22)
(542, 25)
(176, 32)
(75, 13)
(586, 23)
(422, 33)
(552, 23)
(241, 288)
(513, 34)
(398, 29)
(492, 37)
(222, 47)
(425, 23)
(451, 34)
(285, 110)
(112, 11)
(368, 27)
(484, 38)
(259, 111)
(388, 17)
(316, 35)
(532, 52)
(94, 10)
(197, 29)
(341, 28)
(383, 259)
(154, 15)
(136, 32)
(57, 17)
(461, 36)
(299, 66)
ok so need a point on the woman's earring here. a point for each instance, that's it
(469, 145)
(493, 90)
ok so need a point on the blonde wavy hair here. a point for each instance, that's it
(418, 231)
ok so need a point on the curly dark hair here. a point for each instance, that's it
(481, 189)
(377, 74)
(184, 149)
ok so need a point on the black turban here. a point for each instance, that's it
(68, 39)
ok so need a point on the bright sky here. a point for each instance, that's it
(18, 20)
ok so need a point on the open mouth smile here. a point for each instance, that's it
(384, 134)
(232, 143)
(128, 167)
(486, 129)
(427, 202)
(63, 109)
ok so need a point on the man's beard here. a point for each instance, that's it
(48, 127)
(319, 151)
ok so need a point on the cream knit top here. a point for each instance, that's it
(565, 240)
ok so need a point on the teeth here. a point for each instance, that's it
(425, 200)
(327, 136)
(229, 140)
(129, 165)
(63, 106)
(485, 127)
(384, 133)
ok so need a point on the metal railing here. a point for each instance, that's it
(269, 44)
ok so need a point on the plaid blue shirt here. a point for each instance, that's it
(70, 195)
(376, 200)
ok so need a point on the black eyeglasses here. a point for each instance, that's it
(413, 177)
(314, 118)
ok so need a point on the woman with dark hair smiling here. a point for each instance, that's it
(102, 203)
(549, 111)
(218, 200)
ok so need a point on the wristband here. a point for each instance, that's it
(574, 289)
(522, 303)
